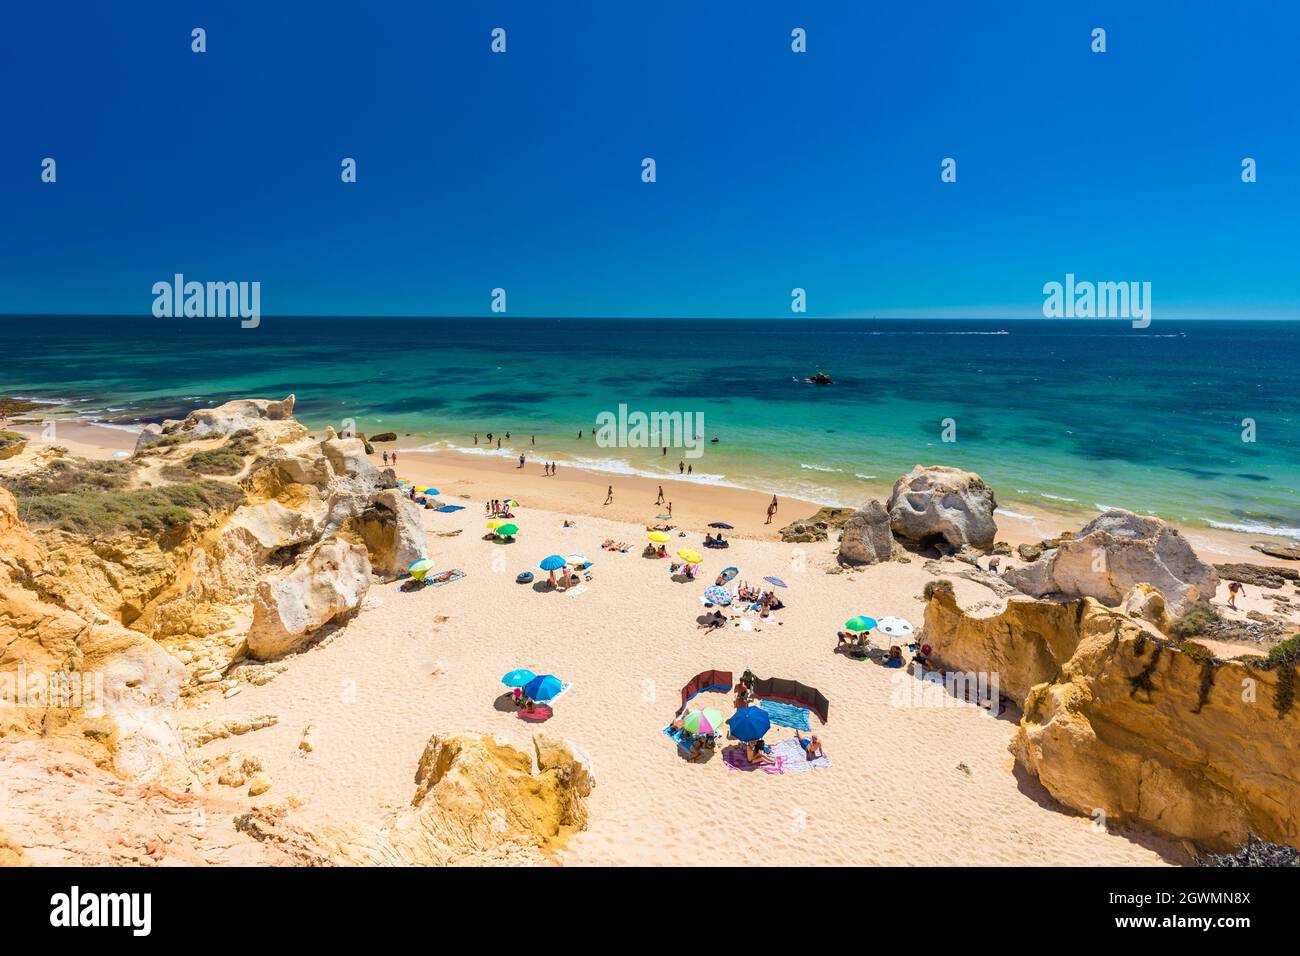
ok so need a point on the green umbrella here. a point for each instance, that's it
(507, 530)
(420, 568)
(859, 624)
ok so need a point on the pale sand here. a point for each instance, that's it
(429, 662)
(411, 665)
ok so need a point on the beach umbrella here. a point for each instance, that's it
(729, 573)
(659, 537)
(717, 595)
(508, 530)
(552, 563)
(859, 624)
(776, 581)
(749, 723)
(432, 491)
(420, 568)
(518, 678)
(509, 502)
(495, 523)
(542, 688)
(720, 524)
(894, 627)
(706, 721)
(689, 555)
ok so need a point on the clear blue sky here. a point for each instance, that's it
(775, 169)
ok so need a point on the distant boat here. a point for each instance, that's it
(821, 378)
(1001, 332)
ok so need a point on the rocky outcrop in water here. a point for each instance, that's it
(1142, 729)
(1115, 552)
(938, 505)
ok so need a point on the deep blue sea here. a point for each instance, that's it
(1066, 414)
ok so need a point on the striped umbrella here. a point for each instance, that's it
(509, 502)
(859, 624)
(776, 581)
(717, 595)
(706, 721)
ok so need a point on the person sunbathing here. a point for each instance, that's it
(895, 658)
(812, 746)
(607, 544)
(696, 750)
(714, 621)
(756, 753)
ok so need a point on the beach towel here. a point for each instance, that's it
(735, 759)
(576, 590)
(450, 508)
(455, 574)
(786, 715)
(539, 713)
(794, 759)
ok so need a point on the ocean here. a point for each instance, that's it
(1068, 415)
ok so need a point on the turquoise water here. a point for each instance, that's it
(1070, 415)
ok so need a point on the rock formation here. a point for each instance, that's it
(866, 537)
(328, 582)
(817, 527)
(1113, 553)
(227, 419)
(1145, 730)
(392, 531)
(941, 505)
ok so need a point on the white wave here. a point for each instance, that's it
(1013, 514)
(818, 467)
(1254, 527)
(133, 429)
(858, 474)
(1044, 494)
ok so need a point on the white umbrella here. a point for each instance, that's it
(894, 627)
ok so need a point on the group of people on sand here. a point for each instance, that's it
(718, 542)
(757, 752)
(922, 658)
(390, 457)
(609, 544)
(497, 509)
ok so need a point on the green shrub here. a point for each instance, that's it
(1196, 620)
(942, 584)
(143, 509)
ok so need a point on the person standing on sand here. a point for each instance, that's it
(773, 506)
(385, 458)
(521, 461)
(660, 499)
(670, 509)
(1235, 588)
(771, 510)
(394, 456)
(681, 467)
(609, 495)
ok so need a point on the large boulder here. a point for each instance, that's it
(329, 581)
(393, 532)
(866, 537)
(1112, 554)
(936, 504)
(271, 418)
(347, 456)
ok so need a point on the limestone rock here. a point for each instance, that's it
(1257, 574)
(1114, 552)
(866, 537)
(329, 580)
(1287, 552)
(937, 504)
(393, 533)
(1146, 603)
(347, 457)
(817, 527)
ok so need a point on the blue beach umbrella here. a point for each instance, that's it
(543, 688)
(777, 581)
(552, 563)
(749, 723)
(518, 678)
(717, 595)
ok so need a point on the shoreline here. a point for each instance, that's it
(581, 490)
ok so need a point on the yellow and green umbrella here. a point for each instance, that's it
(420, 568)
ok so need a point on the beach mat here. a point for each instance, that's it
(537, 715)
(786, 715)
(456, 575)
(449, 508)
(734, 758)
(794, 759)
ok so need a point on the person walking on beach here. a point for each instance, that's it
(771, 510)
(690, 469)
(1235, 588)
(774, 505)
(394, 458)
(681, 467)
(385, 458)
(660, 499)
(552, 469)
(521, 461)
(609, 495)
(670, 509)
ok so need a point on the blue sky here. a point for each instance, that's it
(775, 169)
